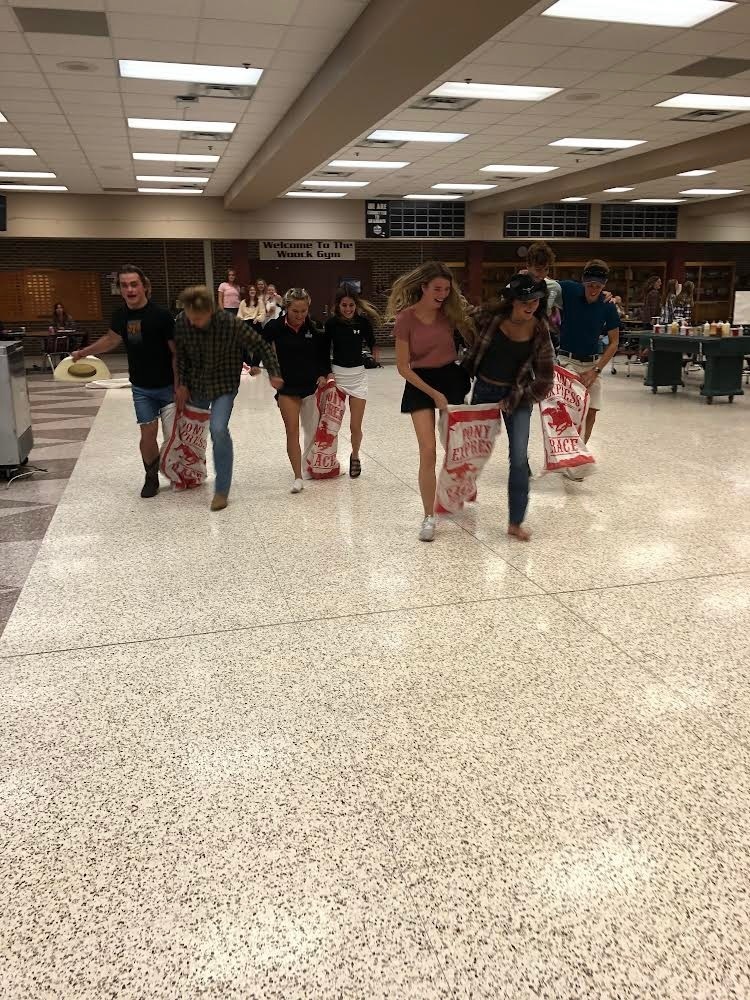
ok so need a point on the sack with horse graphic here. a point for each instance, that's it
(563, 414)
(468, 435)
(320, 461)
(183, 459)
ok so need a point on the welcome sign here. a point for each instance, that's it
(306, 250)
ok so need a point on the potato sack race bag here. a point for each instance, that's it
(320, 458)
(183, 458)
(563, 414)
(468, 435)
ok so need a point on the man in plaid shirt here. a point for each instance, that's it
(211, 346)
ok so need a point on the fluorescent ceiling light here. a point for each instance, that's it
(494, 92)
(159, 178)
(463, 187)
(150, 190)
(574, 199)
(29, 174)
(315, 194)
(333, 184)
(370, 164)
(397, 135)
(696, 173)
(702, 191)
(598, 143)
(176, 157)
(506, 168)
(32, 187)
(431, 197)
(16, 151)
(616, 190)
(665, 14)
(657, 201)
(181, 125)
(138, 69)
(2, 119)
(707, 102)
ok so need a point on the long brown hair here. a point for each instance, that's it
(407, 291)
(362, 305)
(687, 293)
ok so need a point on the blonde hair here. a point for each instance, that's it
(296, 295)
(407, 291)
(198, 298)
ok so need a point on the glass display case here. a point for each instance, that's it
(714, 289)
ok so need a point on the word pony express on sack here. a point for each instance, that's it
(563, 412)
(321, 460)
(468, 435)
(183, 459)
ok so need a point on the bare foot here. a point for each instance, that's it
(519, 532)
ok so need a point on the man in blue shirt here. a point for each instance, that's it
(585, 316)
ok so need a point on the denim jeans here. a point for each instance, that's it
(221, 411)
(517, 424)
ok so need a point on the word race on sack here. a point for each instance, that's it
(468, 435)
(563, 414)
(321, 461)
(183, 459)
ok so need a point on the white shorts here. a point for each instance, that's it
(352, 381)
(578, 368)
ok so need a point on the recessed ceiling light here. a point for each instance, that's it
(620, 190)
(16, 151)
(494, 92)
(696, 173)
(431, 197)
(28, 174)
(398, 135)
(181, 125)
(370, 164)
(665, 14)
(176, 157)
(333, 184)
(508, 168)
(159, 178)
(657, 201)
(598, 143)
(315, 194)
(574, 199)
(707, 102)
(706, 191)
(463, 187)
(150, 190)
(32, 187)
(138, 69)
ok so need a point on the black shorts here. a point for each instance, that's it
(452, 380)
(296, 390)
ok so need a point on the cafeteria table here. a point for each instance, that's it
(722, 359)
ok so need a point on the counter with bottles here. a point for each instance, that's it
(721, 357)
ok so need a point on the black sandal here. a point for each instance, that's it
(355, 467)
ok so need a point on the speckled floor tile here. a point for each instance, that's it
(693, 635)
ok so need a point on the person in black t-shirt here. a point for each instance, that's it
(348, 331)
(147, 331)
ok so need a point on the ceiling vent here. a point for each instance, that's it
(380, 144)
(336, 173)
(715, 66)
(119, 190)
(706, 116)
(182, 168)
(430, 103)
(205, 136)
(52, 21)
(226, 90)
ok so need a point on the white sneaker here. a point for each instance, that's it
(298, 486)
(427, 531)
(573, 476)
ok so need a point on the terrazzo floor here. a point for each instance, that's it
(289, 751)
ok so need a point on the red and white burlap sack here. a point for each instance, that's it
(468, 434)
(320, 460)
(563, 414)
(183, 458)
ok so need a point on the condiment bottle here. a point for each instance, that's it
(706, 329)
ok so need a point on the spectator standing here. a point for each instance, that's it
(229, 293)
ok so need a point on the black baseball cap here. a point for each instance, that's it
(525, 288)
(596, 273)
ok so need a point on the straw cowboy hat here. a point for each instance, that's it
(85, 370)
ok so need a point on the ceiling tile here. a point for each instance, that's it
(520, 54)
(178, 8)
(70, 46)
(81, 81)
(7, 21)
(552, 31)
(339, 14)
(254, 12)
(265, 36)
(99, 68)
(11, 79)
(233, 55)
(154, 28)
(12, 41)
(309, 40)
(695, 43)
